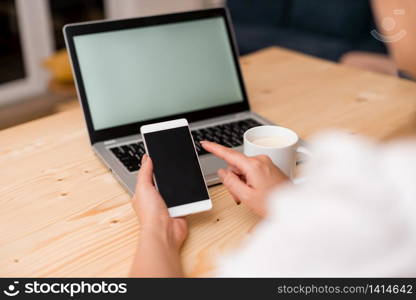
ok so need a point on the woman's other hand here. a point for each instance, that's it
(248, 179)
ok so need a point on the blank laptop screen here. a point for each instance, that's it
(145, 73)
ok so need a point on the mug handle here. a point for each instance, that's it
(303, 154)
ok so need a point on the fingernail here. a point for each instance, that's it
(203, 142)
(144, 158)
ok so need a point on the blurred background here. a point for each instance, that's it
(35, 75)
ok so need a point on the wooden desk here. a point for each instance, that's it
(62, 213)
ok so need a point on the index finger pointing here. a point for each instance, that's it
(231, 156)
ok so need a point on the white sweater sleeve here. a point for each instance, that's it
(354, 216)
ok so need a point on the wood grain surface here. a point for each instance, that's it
(62, 213)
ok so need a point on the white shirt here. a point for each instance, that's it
(354, 216)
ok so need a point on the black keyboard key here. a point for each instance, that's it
(236, 138)
(198, 136)
(209, 137)
(229, 134)
(236, 129)
(127, 160)
(133, 168)
(132, 161)
(117, 152)
(252, 123)
(218, 133)
(130, 155)
(203, 132)
(235, 143)
(134, 147)
(227, 143)
(217, 139)
(125, 148)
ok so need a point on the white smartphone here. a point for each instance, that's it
(176, 168)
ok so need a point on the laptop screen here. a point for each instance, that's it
(140, 74)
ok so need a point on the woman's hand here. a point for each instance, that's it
(161, 236)
(248, 179)
(151, 209)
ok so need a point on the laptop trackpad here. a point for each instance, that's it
(210, 165)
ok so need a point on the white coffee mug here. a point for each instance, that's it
(279, 143)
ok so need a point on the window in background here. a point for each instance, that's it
(64, 12)
(30, 31)
(11, 56)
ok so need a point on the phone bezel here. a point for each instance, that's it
(184, 209)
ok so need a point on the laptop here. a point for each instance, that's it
(138, 71)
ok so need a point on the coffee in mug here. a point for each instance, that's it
(271, 142)
(279, 143)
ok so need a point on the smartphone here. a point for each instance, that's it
(176, 168)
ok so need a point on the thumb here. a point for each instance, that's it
(145, 176)
(237, 188)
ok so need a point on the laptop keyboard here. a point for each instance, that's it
(229, 135)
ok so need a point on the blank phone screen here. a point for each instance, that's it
(175, 165)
